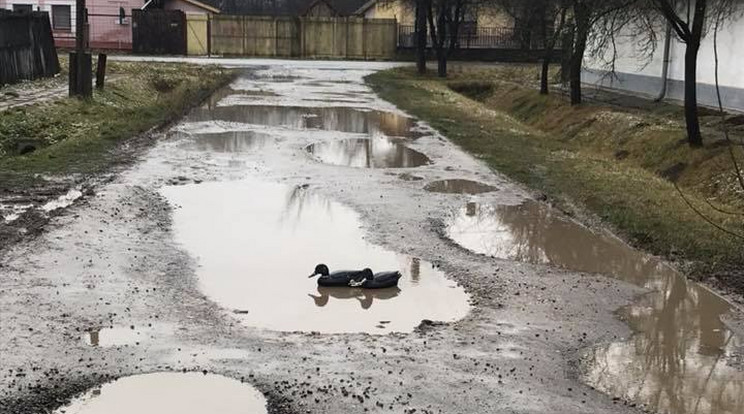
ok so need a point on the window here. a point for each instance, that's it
(61, 17)
(22, 8)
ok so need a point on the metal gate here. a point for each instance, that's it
(161, 32)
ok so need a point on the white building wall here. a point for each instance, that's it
(633, 76)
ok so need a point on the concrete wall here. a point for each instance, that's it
(634, 76)
(307, 37)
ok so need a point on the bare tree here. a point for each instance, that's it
(586, 15)
(689, 19)
(445, 18)
(557, 11)
(422, 7)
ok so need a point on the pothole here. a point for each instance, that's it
(342, 119)
(228, 141)
(377, 152)
(458, 186)
(676, 361)
(256, 251)
(163, 393)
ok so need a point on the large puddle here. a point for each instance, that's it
(676, 361)
(169, 393)
(342, 119)
(376, 152)
(256, 242)
(228, 141)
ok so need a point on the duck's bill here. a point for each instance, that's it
(312, 275)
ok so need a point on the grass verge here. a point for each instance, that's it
(78, 137)
(619, 164)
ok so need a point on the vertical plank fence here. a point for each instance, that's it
(306, 37)
(26, 47)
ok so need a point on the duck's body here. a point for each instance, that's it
(356, 278)
(340, 278)
(381, 280)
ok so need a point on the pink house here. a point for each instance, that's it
(109, 21)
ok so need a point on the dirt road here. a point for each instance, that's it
(196, 259)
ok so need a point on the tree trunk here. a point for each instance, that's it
(545, 73)
(694, 137)
(441, 63)
(577, 56)
(442, 42)
(421, 37)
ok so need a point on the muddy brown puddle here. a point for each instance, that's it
(676, 361)
(256, 243)
(458, 186)
(375, 152)
(169, 393)
(342, 119)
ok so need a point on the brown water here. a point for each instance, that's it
(229, 141)
(459, 187)
(376, 152)
(341, 119)
(676, 361)
(256, 242)
(169, 393)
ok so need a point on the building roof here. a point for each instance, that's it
(282, 7)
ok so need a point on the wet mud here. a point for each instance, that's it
(677, 360)
(457, 186)
(204, 247)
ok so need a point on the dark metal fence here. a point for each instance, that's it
(26, 46)
(477, 38)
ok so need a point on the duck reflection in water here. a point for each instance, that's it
(365, 296)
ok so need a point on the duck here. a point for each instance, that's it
(340, 278)
(364, 278)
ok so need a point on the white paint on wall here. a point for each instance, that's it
(730, 47)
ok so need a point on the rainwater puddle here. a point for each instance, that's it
(118, 336)
(340, 119)
(228, 141)
(62, 201)
(257, 242)
(459, 187)
(376, 152)
(169, 393)
(676, 361)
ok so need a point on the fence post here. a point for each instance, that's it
(101, 71)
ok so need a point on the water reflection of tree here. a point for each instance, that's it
(300, 198)
(674, 362)
(377, 152)
(538, 234)
(230, 141)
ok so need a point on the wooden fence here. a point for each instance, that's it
(26, 47)
(306, 37)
